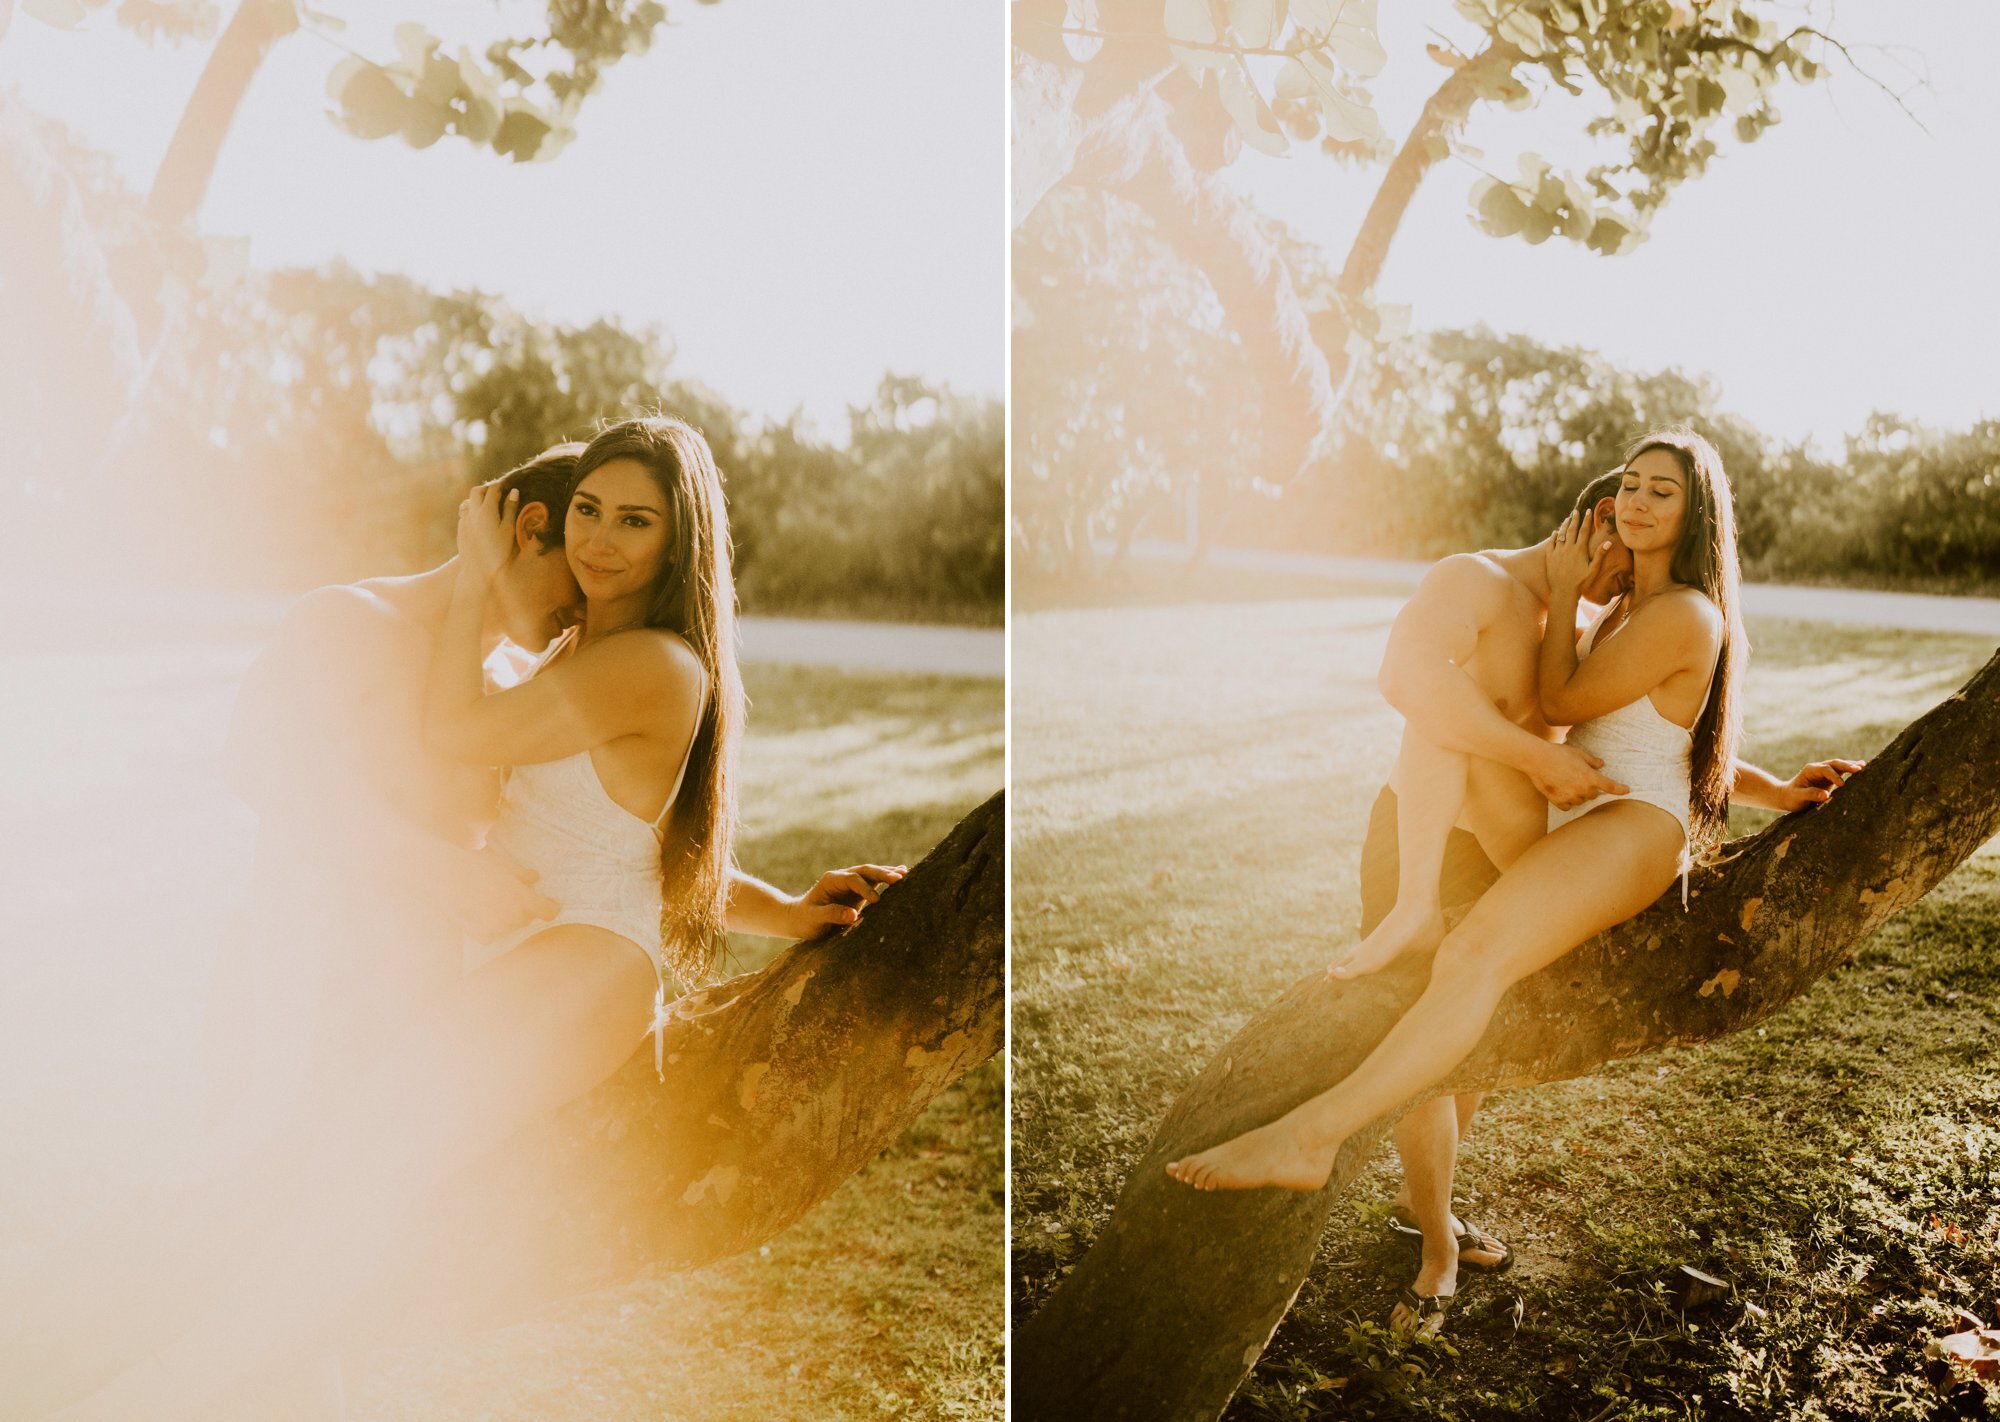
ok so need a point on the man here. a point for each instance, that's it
(1461, 667)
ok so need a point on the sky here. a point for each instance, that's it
(804, 193)
(1846, 262)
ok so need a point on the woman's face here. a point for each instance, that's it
(616, 531)
(1652, 502)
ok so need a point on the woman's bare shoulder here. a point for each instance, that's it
(1684, 613)
(657, 658)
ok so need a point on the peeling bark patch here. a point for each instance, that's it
(1749, 915)
(753, 1077)
(719, 1182)
(1784, 847)
(798, 989)
(1888, 891)
(921, 1060)
(1727, 980)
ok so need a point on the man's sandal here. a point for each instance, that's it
(1419, 1316)
(1404, 1226)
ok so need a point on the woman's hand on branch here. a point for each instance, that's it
(486, 531)
(1815, 784)
(837, 900)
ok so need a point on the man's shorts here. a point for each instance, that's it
(1467, 874)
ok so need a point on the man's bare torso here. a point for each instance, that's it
(1505, 662)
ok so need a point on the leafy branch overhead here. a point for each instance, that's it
(519, 97)
(1665, 76)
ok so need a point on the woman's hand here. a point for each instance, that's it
(837, 900)
(486, 530)
(1815, 784)
(1578, 553)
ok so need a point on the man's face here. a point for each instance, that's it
(1614, 579)
(537, 596)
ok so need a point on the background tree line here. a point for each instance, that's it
(300, 426)
(1446, 439)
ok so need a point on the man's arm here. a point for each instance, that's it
(293, 756)
(1423, 678)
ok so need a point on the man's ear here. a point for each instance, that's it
(529, 524)
(1606, 512)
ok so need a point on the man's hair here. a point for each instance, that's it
(1604, 486)
(546, 480)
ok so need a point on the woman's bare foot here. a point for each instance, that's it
(1269, 1155)
(1420, 928)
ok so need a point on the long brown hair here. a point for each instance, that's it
(694, 597)
(1705, 558)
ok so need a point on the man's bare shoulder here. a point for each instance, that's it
(1474, 582)
(343, 615)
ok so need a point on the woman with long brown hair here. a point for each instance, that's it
(621, 798)
(1652, 689)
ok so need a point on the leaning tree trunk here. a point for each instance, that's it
(779, 1084)
(1181, 1290)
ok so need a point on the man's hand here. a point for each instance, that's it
(490, 893)
(1567, 776)
(836, 901)
(1814, 785)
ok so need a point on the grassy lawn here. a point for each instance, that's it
(1191, 786)
(886, 1300)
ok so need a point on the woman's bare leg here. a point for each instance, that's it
(1429, 782)
(1590, 874)
(513, 1041)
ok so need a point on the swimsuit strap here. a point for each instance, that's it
(673, 795)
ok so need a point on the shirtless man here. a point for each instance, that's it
(1460, 667)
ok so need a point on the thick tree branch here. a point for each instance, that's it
(779, 1085)
(184, 173)
(1443, 113)
(1181, 1290)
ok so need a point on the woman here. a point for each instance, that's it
(622, 799)
(1653, 692)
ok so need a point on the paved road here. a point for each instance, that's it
(164, 615)
(1912, 612)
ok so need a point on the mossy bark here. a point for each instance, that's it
(1179, 1293)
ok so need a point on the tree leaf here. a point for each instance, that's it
(371, 106)
(415, 44)
(1253, 117)
(1190, 20)
(1500, 210)
(1524, 31)
(424, 122)
(1081, 15)
(1608, 235)
(1254, 22)
(522, 133)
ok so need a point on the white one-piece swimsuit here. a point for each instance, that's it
(591, 855)
(1642, 750)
